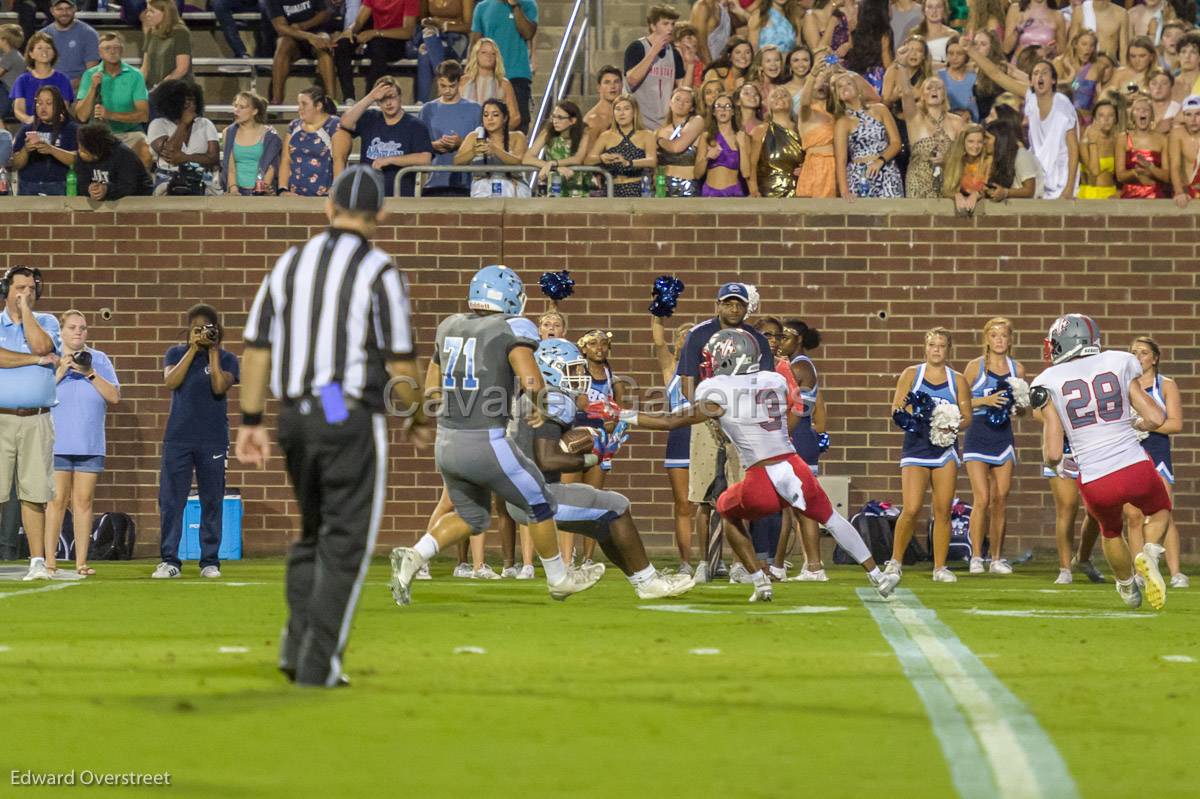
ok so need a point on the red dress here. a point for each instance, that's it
(1137, 191)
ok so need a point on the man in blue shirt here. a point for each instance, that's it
(449, 118)
(29, 347)
(391, 139)
(77, 42)
(512, 24)
(199, 376)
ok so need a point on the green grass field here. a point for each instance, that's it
(602, 695)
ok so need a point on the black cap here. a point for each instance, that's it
(358, 188)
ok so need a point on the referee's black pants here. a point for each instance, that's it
(339, 473)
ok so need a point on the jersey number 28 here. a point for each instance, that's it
(1078, 396)
(453, 347)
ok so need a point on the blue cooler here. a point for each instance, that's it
(231, 528)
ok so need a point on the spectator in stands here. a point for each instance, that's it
(715, 21)
(967, 169)
(168, 44)
(1078, 70)
(1185, 81)
(653, 67)
(1142, 166)
(799, 64)
(113, 92)
(12, 64)
(766, 70)
(825, 27)
(1139, 64)
(749, 108)
(449, 119)
(818, 175)
(392, 23)
(512, 25)
(984, 15)
(1015, 172)
(870, 50)
(931, 131)
(307, 166)
(678, 144)
(29, 347)
(197, 439)
(732, 64)
(1097, 154)
(986, 46)
(76, 42)
(497, 146)
(250, 160)
(1035, 23)
(445, 33)
(1162, 86)
(565, 142)
(303, 30)
(27, 11)
(626, 150)
(45, 149)
(224, 10)
(709, 91)
(780, 22)
(724, 162)
(183, 135)
(913, 56)
(608, 86)
(107, 169)
(483, 79)
(40, 58)
(687, 44)
(865, 142)
(959, 80)
(775, 149)
(1184, 159)
(87, 387)
(391, 139)
(934, 30)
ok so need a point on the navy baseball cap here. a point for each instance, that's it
(733, 290)
(358, 188)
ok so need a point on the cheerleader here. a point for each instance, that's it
(921, 461)
(987, 447)
(552, 324)
(797, 341)
(595, 346)
(1157, 444)
(1064, 487)
(679, 441)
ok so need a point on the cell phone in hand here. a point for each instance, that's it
(832, 59)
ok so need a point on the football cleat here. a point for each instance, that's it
(575, 582)
(778, 573)
(886, 584)
(663, 585)
(739, 574)
(1130, 594)
(1146, 564)
(405, 564)
(893, 567)
(590, 568)
(762, 591)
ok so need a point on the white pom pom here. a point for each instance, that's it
(753, 292)
(1020, 391)
(1134, 418)
(943, 426)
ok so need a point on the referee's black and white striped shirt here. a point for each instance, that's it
(332, 310)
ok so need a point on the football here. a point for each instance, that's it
(577, 441)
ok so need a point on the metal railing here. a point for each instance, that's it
(491, 170)
(561, 74)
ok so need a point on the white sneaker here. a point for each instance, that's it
(211, 572)
(423, 573)
(1180, 580)
(944, 575)
(405, 564)
(462, 570)
(701, 575)
(762, 591)
(893, 567)
(685, 569)
(806, 576)
(1000, 566)
(1146, 564)
(1130, 594)
(484, 572)
(525, 573)
(1064, 577)
(575, 582)
(165, 571)
(976, 566)
(886, 584)
(664, 585)
(778, 572)
(739, 574)
(590, 568)
(37, 571)
(508, 573)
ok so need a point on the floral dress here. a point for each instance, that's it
(870, 138)
(311, 158)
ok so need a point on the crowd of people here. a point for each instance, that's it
(972, 101)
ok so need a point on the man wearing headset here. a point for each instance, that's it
(29, 347)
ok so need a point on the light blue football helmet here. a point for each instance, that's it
(563, 366)
(497, 288)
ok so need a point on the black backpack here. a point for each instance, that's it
(877, 533)
(66, 538)
(114, 537)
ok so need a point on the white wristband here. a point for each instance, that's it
(590, 459)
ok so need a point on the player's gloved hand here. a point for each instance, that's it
(605, 410)
(599, 442)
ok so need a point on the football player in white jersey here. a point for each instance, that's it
(752, 408)
(1088, 393)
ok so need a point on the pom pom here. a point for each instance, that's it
(919, 410)
(1134, 418)
(1020, 391)
(943, 424)
(822, 442)
(666, 290)
(752, 290)
(557, 285)
(905, 421)
(998, 416)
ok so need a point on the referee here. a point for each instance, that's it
(328, 327)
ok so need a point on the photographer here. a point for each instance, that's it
(199, 375)
(87, 386)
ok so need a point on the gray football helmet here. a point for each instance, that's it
(730, 352)
(1072, 336)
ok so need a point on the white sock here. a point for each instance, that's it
(426, 548)
(1126, 582)
(847, 537)
(644, 576)
(875, 574)
(556, 570)
(36, 561)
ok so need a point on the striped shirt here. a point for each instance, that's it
(333, 310)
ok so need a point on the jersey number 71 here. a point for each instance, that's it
(453, 347)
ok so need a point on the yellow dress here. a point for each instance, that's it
(1088, 192)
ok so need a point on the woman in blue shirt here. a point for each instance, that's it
(45, 150)
(40, 57)
(87, 386)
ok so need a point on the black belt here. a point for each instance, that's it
(24, 411)
(306, 405)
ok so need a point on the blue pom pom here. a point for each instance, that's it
(667, 289)
(915, 420)
(998, 417)
(822, 442)
(557, 285)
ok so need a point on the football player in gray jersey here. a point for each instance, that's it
(482, 359)
(600, 515)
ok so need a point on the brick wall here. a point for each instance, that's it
(872, 276)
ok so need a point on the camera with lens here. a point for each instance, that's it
(210, 333)
(83, 359)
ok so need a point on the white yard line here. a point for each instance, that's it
(55, 586)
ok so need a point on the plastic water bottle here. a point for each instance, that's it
(497, 187)
(863, 188)
(660, 182)
(72, 183)
(3, 180)
(647, 186)
(260, 184)
(556, 183)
